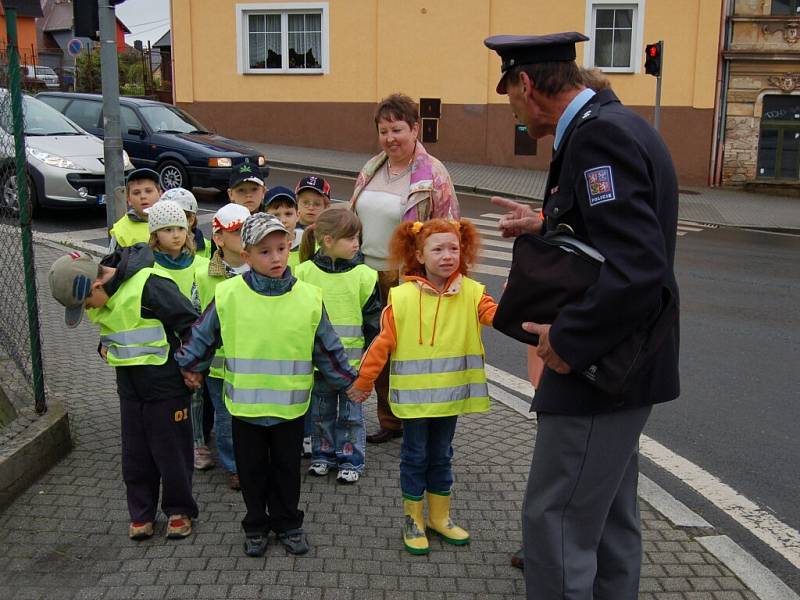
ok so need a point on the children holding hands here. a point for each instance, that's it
(352, 299)
(268, 377)
(430, 333)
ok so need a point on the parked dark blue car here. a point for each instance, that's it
(162, 137)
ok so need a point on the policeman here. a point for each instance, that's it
(612, 182)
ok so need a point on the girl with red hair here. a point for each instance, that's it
(430, 333)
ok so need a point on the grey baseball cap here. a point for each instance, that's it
(70, 280)
(259, 226)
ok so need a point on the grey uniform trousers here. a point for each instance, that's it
(580, 517)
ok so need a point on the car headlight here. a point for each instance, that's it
(219, 162)
(53, 159)
(126, 161)
(262, 160)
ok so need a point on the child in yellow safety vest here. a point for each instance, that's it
(274, 331)
(174, 253)
(352, 298)
(142, 318)
(430, 331)
(186, 200)
(226, 262)
(142, 190)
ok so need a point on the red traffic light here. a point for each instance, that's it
(653, 58)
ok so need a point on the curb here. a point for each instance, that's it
(278, 164)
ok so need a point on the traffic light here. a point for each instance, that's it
(85, 18)
(652, 59)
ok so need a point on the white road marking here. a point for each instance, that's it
(753, 574)
(490, 270)
(496, 243)
(523, 407)
(758, 521)
(764, 525)
(495, 254)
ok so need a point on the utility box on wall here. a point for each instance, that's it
(524, 145)
(430, 110)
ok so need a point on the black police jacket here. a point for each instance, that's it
(613, 183)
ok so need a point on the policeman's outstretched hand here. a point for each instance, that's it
(519, 218)
(545, 350)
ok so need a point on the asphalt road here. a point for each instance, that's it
(739, 410)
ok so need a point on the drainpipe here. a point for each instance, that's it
(723, 81)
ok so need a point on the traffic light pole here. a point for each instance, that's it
(657, 110)
(112, 137)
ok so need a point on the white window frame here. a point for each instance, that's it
(243, 11)
(637, 47)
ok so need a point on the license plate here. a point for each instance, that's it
(101, 199)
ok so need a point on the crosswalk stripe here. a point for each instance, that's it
(496, 243)
(494, 254)
(490, 270)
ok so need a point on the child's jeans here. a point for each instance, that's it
(426, 455)
(222, 425)
(339, 437)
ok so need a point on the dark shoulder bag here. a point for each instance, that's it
(551, 271)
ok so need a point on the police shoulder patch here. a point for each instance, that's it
(599, 185)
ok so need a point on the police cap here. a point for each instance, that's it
(516, 50)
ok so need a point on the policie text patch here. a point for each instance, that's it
(599, 185)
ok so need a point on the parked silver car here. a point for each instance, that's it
(65, 163)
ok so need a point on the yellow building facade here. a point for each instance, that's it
(311, 73)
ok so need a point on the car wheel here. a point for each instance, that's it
(9, 195)
(173, 174)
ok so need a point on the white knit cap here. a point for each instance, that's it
(165, 213)
(183, 197)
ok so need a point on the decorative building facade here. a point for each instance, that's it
(761, 95)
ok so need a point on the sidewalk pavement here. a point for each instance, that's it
(715, 206)
(66, 537)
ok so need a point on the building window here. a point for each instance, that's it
(779, 141)
(782, 8)
(282, 38)
(615, 35)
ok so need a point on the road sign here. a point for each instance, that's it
(75, 47)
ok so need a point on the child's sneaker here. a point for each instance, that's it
(318, 469)
(306, 447)
(255, 545)
(179, 526)
(294, 540)
(140, 531)
(347, 476)
(233, 482)
(202, 458)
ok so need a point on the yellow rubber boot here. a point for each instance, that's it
(439, 519)
(414, 526)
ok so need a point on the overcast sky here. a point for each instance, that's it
(147, 19)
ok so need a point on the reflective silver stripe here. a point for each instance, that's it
(348, 330)
(430, 366)
(448, 394)
(256, 366)
(217, 362)
(123, 352)
(262, 396)
(354, 353)
(147, 335)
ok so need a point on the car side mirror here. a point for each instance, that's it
(139, 132)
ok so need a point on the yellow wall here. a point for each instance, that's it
(434, 48)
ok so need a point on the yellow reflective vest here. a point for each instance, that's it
(345, 295)
(128, 232)
(185, 278)
(130, 339)
(206, 285)
(269, 344)
(437, 373)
